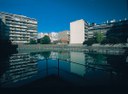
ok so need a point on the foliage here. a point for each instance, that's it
(105, 41)
(89, 42)
(99, 37)
(38, 40)
(32, 41)
(46, 54)
(117, 34)
(45, 40)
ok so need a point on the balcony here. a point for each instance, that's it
(32, 22)
(32, 31)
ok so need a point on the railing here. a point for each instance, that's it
(102, 67)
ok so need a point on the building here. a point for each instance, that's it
(117, 29)
(78, 31)
(102, 28)
(18, 28)
(40, 35)
(81, 31)
(53, 36)
(56, 37)
(63, 36)
(2, 34)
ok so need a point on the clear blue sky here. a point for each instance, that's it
(55, 15)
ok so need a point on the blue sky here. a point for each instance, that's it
(56, 15)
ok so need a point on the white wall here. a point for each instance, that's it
(77, 33)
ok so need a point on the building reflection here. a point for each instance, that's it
(21, 67)
(76, 67)
(79, 58)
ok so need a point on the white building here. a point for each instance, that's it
(53, 36)
(40, 35)
(77, 32)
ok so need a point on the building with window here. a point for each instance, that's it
(81, 31)
(113, 30)
(18, 28)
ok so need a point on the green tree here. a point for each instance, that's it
(99, 37)
(45, 40)
(46, 54)
(89, 42)
(32, 41)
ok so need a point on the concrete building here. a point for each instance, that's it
(63, 36)
(18, 28)
(81, 31)
(56, 37)
(116, 28)
(2, 35)
(53, 36)
(78, 31)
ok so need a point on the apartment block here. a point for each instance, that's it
(118, 29)
(18, 28)
(78, 31)
(81, 31)
(3, 35)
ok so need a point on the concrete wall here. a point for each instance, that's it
(77, 32)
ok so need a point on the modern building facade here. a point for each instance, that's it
(118, 29)
(81, 31)
(78, 31)
(18, 28)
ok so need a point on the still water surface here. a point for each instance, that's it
(72, 68)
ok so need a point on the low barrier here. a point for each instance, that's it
(86, 49)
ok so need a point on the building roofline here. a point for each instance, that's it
(7, 13)
(80, 20)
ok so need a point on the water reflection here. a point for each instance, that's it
(20, 67)
(76, 67)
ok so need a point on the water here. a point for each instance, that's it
(63, 69)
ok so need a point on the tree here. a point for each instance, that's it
(99, 37)
(46, 54)
(32, 41)
(89, 42)
(45, 40)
